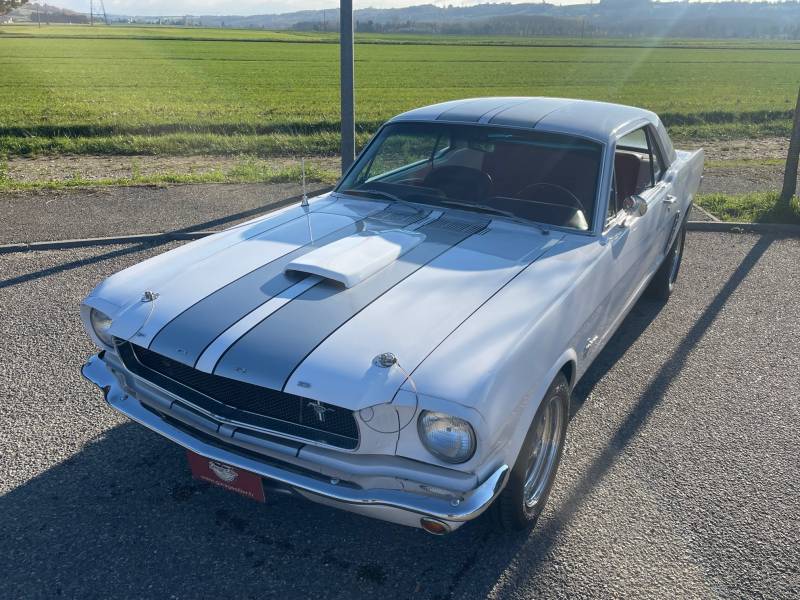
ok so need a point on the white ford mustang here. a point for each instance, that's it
(404, 347)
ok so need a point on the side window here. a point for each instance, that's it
(402, 152)
(637, 164)
(656, 157)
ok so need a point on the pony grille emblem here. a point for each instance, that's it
(319, 410)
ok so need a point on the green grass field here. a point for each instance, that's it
(759, 207)
(120, 90)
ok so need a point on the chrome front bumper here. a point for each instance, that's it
(393, 505)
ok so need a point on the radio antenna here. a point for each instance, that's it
(304, 202)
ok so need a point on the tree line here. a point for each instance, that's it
(673, 19)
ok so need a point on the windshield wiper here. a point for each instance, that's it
(439, 201)
(358, 192)
(495, 211)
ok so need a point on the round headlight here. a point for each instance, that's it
(449, 438)
(101, 323)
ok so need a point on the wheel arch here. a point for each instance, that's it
(567, 364)
(569, 369)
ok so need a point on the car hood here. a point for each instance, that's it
(304, 300)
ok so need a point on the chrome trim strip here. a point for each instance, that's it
(469, 507)
(329, 461)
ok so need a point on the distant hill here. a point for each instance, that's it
(605, 18)
(46, 13)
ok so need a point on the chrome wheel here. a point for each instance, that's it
(531, 479)
(548, 433)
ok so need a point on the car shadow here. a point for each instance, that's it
(653, 394)
(547, 534)
(123, 518)
(643, 313)
(125, 515)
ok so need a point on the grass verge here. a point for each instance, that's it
(304, 141)
(757, 207)
(250, 171)
(178, 144)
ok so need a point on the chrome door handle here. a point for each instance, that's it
(670, 199)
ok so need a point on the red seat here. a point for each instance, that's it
(626, 171)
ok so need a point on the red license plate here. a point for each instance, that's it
(225, 476)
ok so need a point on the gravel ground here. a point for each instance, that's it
(680, 477)
(742, 180)
(739, 149)
(61, 168)
(108, 211)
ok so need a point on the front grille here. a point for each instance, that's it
(244, 402)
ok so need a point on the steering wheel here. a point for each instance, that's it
(529, 192)
(461, 183)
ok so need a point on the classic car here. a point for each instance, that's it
(405, 346)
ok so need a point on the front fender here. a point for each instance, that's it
(510, 430)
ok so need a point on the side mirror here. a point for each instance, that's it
(635, 205)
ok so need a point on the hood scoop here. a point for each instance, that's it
(352, 259)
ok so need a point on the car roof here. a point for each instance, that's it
(596, 120)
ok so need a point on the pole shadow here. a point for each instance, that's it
(169, 236)
(77, 264)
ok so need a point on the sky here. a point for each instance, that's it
(249, 7)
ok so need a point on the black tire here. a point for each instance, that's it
(663, 281)
(510, 509)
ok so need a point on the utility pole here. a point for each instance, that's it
(790, 173)
(91, 13)
(347, 81)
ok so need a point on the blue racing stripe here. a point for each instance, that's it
(272, 349)
(186, 337)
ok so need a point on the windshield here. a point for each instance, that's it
(543, 177)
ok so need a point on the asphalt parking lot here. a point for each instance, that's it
(681, 476)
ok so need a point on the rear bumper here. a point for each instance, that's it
(393, 505)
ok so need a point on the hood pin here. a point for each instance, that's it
(385, 360)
